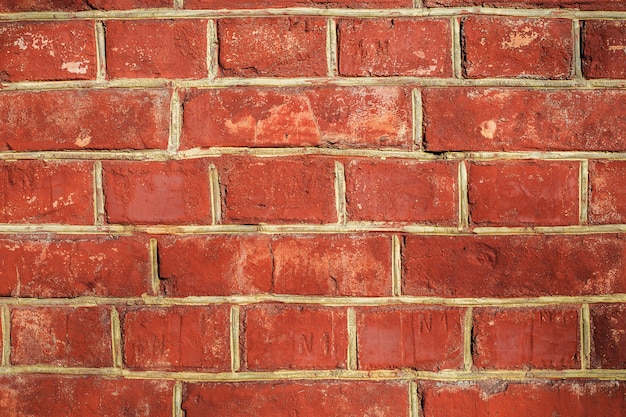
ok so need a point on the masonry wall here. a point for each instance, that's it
(312, 208)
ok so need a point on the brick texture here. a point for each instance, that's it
(606, 201)
(603, 52)
(608, 336)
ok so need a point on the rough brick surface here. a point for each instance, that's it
(604, 49)
(517, 47)
(272, 47)
(514, 266)
(78, 5)
(352, 117)
(607, 196)
(573, 4)
(379, 47)
(96, 119)
(423, 339)
(526, 338)
(494, 119)
(74, 266)
(523, 193)
(46, 192)
(57, 336)
(172, 192)
(156, 48)
(301, 398)
(47, 51)
(608, 336)
(402, 191)
(294, 337)
(177, 338)
(262, 4)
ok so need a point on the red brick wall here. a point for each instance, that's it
(313, 208)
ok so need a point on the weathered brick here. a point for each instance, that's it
(177, 338)
(575, 4)
(59, 336)
(46, 192)
(512, 193)
(272, 47)
(501, 119)
(84, 119)
(156, 48)
(608, 336)
(379, 47)
(519, 338)
(301, 398)
(285, 190)
(396, 190)
(425, 338)
(294, 337)
(517, 47)
(262, 4)
(607, 197)
(78, 5)
(604, 49)
(172, 192)
(343, 117)
(72, 266)
(34, 51)
(514, 266)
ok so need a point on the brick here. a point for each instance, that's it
(285, 190)
(74, 396)
(79, 5)
(72, 266)
(173, 192)
(607, 197)
(84, 119)
(501, 119)
(604, 49)
(36, 51)
(514, 266)
(379, 47)
(513, 193)
(272, 47)
(419, 338)
(573, 4)
(156, 48)
(46, 192)
(301, 398)
(263, 4)
(608, 336)
(517, 338)
(177, 338)
(511, 399)
(58, 336)
(294, 337)
(517, 47)
(396, 190)
(338, 117)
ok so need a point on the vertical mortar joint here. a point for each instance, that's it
(155, 280)
(116, 338)
(177, 400)
(235, 356)
(101, 67)
(98, 194)
(212, 52)
(457, 48)
(5, 313)
(585, 336)
(468, 327)
(176, 115)
(340, 193)
(331, 47)
(463, 196)
(584, 192)
(216, 198)
(418, 119)
(396, 266)
(352, 357)
(578, 45)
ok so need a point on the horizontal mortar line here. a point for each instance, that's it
(143, 155)
(404, 300)
(163, 13)
(373, 375)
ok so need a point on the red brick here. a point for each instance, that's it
(294, 337)
(172, 192)
(396, 190)
(78, 5)
(513, 193)
(156, 48)
(379, 47)
(513, 399)
(72, 266)
(343, 117)
(335, 265)
(607, 198)
(604, 49)
(514, 266)
(84, 119)
(272, 47)
(498, 119)
(608, 336)
(577, 4)
(297, 398)
(77, 396)
(46, 192)
(424, 339)
(258, 190)
(177, 338)
(517, 47)
(59, 336)
(546, 337)
(33, 51)
(262, 4)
